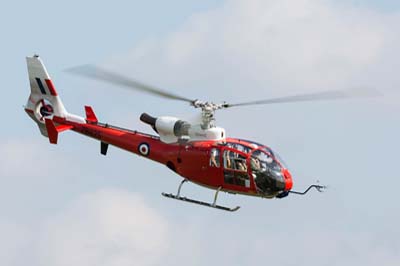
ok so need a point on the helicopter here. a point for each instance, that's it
(200, 153)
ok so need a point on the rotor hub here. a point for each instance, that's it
(207, 112)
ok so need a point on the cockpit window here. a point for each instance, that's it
(267, 149)
(235, 161)
(267, 172)
(275, 155)
(238, 147)
(253, 143)
(281, 161)
(265, 160)
(235, 169)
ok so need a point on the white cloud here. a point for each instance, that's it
(114, 227)
(27, 157)
(310, 246)
(269, 45)
(107, 227)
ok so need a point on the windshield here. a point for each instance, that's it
(281, 161)
(275, 155)
(267, 172)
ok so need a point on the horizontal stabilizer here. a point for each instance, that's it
(53, 130)
(90, 115)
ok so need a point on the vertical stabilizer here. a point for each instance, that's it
(44, 101)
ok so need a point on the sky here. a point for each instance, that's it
(66, 204)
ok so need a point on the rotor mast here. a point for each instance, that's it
(207, 112)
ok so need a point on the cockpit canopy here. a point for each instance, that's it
(267, 172)
(245, 159)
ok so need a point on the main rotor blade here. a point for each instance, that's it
(96, 73)
(319, 96)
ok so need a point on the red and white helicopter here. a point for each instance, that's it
(200, 153)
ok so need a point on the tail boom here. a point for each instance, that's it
(142, 144)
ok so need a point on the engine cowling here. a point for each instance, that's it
(170, 129)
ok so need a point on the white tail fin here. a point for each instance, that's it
(44, 102)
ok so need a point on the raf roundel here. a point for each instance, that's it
(144, 149)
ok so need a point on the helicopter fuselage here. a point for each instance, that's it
(226, 164)
(200, 153)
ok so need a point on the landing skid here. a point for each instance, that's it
(202, 203)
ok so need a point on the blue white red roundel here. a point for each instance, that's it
(144, 149)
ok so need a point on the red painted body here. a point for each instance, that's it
(190, 160)
(199, 153)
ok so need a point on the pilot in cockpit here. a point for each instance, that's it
(214, 158)
(255, 164)
(241, 166)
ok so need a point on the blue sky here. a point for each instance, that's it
(67, 204)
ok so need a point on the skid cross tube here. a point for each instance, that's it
(180, 186)
(216, 196)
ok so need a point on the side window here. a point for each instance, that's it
(214, 157)
(235, 171)
(242, 148)
(234, 161)
(238, 146)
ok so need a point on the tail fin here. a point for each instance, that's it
(44, 101)
(90, 115)
(53, 130)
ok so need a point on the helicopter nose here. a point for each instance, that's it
(288, 180)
